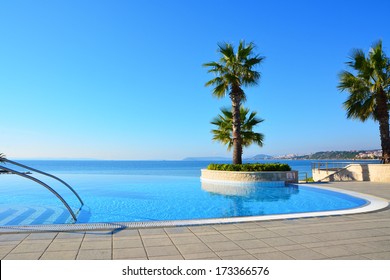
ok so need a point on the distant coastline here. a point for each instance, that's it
(327, 155)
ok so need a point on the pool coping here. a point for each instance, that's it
(374, 204)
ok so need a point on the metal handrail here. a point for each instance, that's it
(45, 185)
(44, 173)
(329, 165)
(337, 172)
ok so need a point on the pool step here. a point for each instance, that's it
(33, 216)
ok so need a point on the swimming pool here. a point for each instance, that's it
(111, 198)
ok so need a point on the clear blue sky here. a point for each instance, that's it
(123, 79)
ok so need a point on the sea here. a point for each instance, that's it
(182, 168)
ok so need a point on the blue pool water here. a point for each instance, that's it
(150, 191)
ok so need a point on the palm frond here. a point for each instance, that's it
(224, 127)
(234, 69)
(370, 78)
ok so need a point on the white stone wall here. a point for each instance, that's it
(240, 176)
(356, 172)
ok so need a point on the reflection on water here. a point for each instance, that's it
(242, 197)
(258, 192)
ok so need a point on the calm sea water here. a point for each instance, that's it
(117, 191)
(158, 168)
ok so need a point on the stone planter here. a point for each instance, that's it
(242, 177)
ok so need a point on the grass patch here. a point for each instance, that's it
(255, 167)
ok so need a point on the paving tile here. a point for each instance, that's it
(10, 243)
(240, 257)
(290, 247)
(96, 238)
(380, 246)
(201, 256)
(192, 239)
(287, 232)
(333, 251)
(24, 256)
(176, 257)
(93, 245)
(371, 239)
(129, 253)
(213, 238)
(157, 242)
(225, 227)
(239, 236)
(249, 225)
(35, 242)
(29, 248)
(305, 254)
(263, 234)
(360, 248)
(312, 230)
(127, 243)
(223, 246)
(69, 235)
(63, 246)
(59, 255)
(354, 257)
(7, 248)
(162, 251)
(177, 230)
(202, 230)
(272, 256)
(302, 239)
(251, 244)
(193, 248)
(152, 231)
(378, 256)
(278, 241)
(13, 237)
(41, 235)
(331, 236)
(126, 233)
(232, 253)
(261, 250)
(102, 254)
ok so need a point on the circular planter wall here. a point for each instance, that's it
(249, 177)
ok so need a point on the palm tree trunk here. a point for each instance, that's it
(235, 96)
(383, 118)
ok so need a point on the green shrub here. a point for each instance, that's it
(250, 167)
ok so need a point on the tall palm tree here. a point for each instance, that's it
(224, 134)
(369, 95)
(233, 71)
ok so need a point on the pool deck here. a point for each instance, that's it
(358, 236)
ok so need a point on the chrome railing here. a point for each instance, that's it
(329, 166)
(42, 183)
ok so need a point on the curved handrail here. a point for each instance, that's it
(337, 172)
(44, 173)
(43, 184)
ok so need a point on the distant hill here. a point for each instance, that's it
(373, 154)
(260, 157)
(331, 155)
(347, 155)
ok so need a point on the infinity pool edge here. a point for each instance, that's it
(374, 204)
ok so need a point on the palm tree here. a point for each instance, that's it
(234, 70)
(223, 133)
(369, 95)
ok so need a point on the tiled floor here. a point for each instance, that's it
(359, 236)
